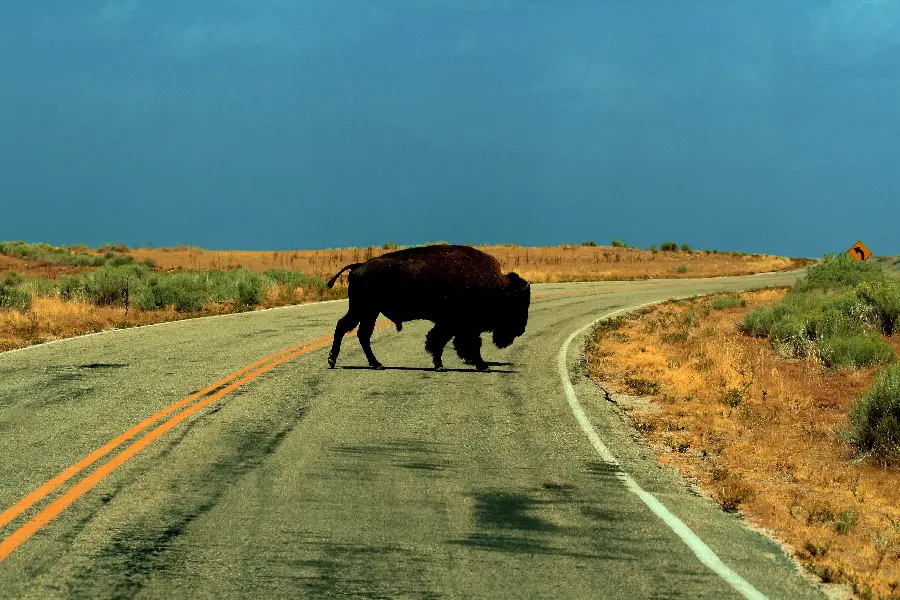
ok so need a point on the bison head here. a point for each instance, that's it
(512, 314)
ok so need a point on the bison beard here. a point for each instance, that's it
(460, 289)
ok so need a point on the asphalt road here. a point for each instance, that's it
(349, 483)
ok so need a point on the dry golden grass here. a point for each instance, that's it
(538, 265)
(758, 433)
(35, 269)
(52, 318)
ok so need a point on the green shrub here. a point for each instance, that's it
(669, 247)
(51, 255)
(42, 288)
(185, 290)
(114, 285)
(293, 278)
(875, 418)
(86, 260)
(846, 521)
(882, 297)
(389, 246)
(729, 301)
(681, 269)
(801, 320)
(686, 248)
(591, 243)
(250, 289)
(760, 321)
(617, 243)
(653, 248)
(831, 323)
(219, 285)
(847, 303)
(156, 294)
(118, 260)
(838, 272)
(191, 291)
(70, 286)
(12, 279)
(855, 351)
(106, 286)
(790, 336)
(14, 298)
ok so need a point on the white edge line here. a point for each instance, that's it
(693, 541)
(191, 319)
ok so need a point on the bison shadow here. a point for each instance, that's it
(431, 369)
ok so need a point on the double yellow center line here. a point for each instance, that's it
(170, 417)
(155, 426)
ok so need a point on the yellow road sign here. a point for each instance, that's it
(859, 251)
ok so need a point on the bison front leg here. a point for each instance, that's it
(435, 341)
(468, 347)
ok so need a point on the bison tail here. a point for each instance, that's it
(338, 274)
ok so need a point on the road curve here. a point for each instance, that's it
(292, 480)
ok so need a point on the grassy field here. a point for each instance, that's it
(805, 447)
(49, 292)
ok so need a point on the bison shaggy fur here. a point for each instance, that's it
(458, 288)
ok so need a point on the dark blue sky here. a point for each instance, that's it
(269, 124)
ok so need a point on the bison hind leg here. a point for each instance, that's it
(468, 348)
(366, 327)
(344, 324)
(435, 341)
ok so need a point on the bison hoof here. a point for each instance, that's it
(439, 368)
(377, 366)
(483, 367)
(332, 360)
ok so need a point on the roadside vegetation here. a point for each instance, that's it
(135, 286)
(116, 290)
(782, 404)
(837, 314)
(79, 255)
(584, 261)
(48, 292)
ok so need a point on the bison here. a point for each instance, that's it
(460, 289)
